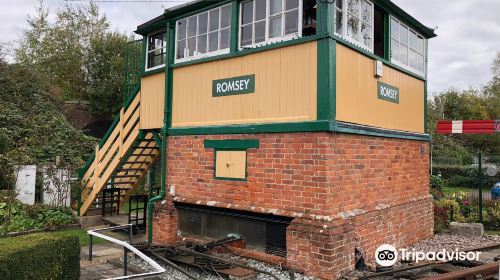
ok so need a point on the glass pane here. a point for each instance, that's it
(247, 12)
(181, 29)
(291, 4)
(366, 12)
(394, 49)
(352, 27)
(225, 13)
(202, 43)
(353, 6)
(260, 31)
(246, 35)
(180, 48)
(275, 27)
(275, 7)
(413, 59)
(213, 41)
(202, 23)
(394, 29)
(192, 26)
(413, 40)
(338, 21)
(224, 38)
(292, 22)
(420, 62)
(403, 54)
(260, 9)
(214, 19)
(420, 45)
(191, 46)
(366, 34)
(403, 36)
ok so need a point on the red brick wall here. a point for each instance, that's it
(341, 188)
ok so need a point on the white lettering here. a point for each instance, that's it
(219, 88)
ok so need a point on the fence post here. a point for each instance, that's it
(480, 183)
(125, 262)
(90, 247)
(451, 213)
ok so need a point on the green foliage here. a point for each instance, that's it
(437, 187)
(40, 256)
(77, 54)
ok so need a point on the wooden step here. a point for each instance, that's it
(126, 176)
(136, 162)
(130, 169)
(120, 183)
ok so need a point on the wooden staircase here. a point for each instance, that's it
(122, 158)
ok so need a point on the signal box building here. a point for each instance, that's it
(299, 124)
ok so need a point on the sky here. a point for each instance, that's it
(460, 57)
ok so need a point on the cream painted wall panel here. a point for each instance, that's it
(357, 100)
(285, 89)
(152, 101)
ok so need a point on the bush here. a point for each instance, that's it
(464, 176)
(40, 256)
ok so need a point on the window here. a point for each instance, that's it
(204, 34)
(407, 47)
(268, 21)
(354, 22)
(156, 51)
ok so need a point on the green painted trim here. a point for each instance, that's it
(381, 85)
(251, 51)
(372, 56)
(333, 78)
(323, 81)
(228, 178)
(169, 76)
(252, 128)
(341, 127)
(387, 36)
(131, 98)
(242, 144)
(152, 72)
(144, 54)
(235, 14)
(250, 86)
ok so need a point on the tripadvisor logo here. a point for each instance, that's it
(387, 255)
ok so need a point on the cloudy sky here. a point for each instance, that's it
(460, 57)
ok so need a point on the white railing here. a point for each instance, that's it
(126, 248)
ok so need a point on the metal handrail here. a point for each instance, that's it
(126, 247)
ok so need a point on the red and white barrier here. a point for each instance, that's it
(468, 127)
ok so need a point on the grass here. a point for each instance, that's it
(125, 207)
(81, 234)
(449, 190)
(492, 232)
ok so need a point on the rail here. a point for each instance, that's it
(126, 248)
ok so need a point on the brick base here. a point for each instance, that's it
(343, 191)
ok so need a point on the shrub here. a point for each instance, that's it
(437, 186)
(449, 204)
(40, 256)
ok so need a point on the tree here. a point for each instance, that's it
(77, 54)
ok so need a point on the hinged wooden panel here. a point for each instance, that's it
(230, 164)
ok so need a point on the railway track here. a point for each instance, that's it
(452, 270)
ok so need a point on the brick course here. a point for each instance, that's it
(343, 190)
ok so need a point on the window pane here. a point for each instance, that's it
(275, 7)
(366, 33)
(191, 46)
(213, 41)
(413, 59)
(394, 49)
(260, 31)
(247, 12)
(352, 27)
(214, 19)
(224, 38)
(246, 35)
(181, 29)
(291, 4)
(366, 12)
(420, 45)
(292, 22)
(394, 29)
(180, 48)
(225, 13)
(403, 36)
(403, 54)
(202, 23)
(413, 40)
(338, 21)
(420, 63)
(192, 26)
(275, 27)
(260, 9)
(353, 6)
(202, 43)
